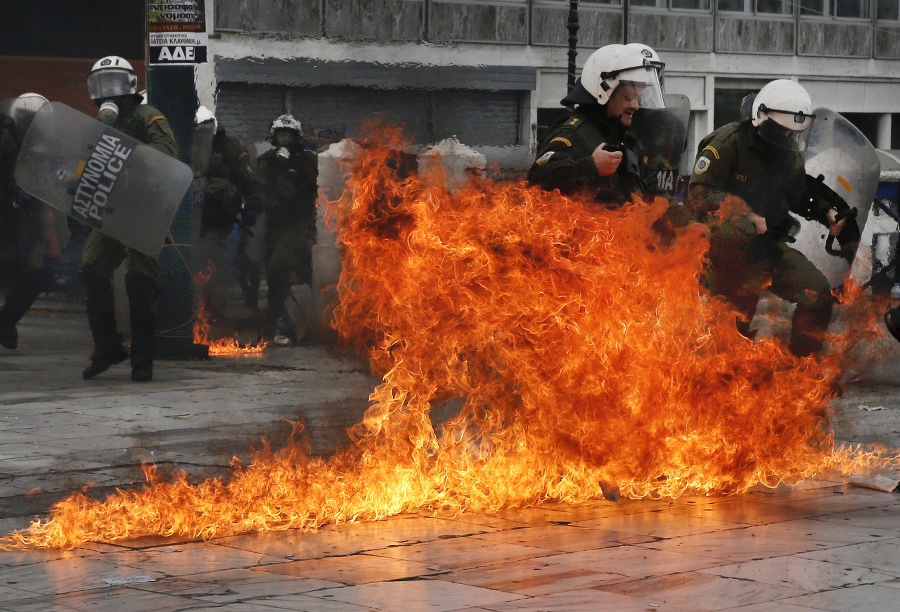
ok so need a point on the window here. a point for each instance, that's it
(856, 9)
(889, 9)
(764, 7)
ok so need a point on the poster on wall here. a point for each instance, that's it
(177, 32)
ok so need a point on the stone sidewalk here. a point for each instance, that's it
(818, 546)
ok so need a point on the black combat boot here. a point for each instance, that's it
(108, 349)
(892, 321)
(19, 299)
(142, 308)
(809, 326)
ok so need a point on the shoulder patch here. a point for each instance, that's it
(543, 159)
(702, 165)
(565, 141)
(574, 121)
(712, 150)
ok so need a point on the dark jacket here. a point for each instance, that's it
(564, 159)
(231, 178)
(735, 161)
(290, 187)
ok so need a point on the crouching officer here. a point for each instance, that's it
(757, 162)
(112, 85)
(591, 151)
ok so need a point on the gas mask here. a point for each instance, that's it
(108, 113)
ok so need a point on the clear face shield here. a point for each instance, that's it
(785, 129)
(645, 78)
(110, 83)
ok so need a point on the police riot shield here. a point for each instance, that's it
(662, 133)
(101, 177)
(33, 221)
(843, 168)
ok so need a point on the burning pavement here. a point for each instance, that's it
(497, 501)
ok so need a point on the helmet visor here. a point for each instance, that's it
(774, 132)
(110, 83)
(793, 120)
(645, 78)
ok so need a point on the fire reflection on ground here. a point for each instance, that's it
(588, 356)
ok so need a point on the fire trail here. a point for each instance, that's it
(585, 352)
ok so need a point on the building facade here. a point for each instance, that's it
(490, 72)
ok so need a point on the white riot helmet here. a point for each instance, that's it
(652, 57)
(203, 115)
(286, 122)
(24, 108)
(613, 65)
(111, 77)
(782, 114)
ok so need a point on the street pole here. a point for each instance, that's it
(573, 41)
(171, 90)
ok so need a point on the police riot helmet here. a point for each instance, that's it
(204, 115)
(614, 65)
(23, 109)
(286, 122)
(652, 57)
(782, 114)
(111, 77)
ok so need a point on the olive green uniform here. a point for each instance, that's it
(103, 254)
(291, 189)
(564, 159)
(735, 161)
(231, 178)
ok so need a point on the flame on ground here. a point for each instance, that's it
(585, 352)
(223, 347)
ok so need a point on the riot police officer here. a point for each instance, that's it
(290, 172)
(24, 224)
(112, 85)
(233, 193)
(591, 151)
(757, 162)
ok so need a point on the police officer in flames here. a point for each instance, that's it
(112, 85)
(591, 151)
(757, 162)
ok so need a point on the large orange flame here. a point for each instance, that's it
(589, 357)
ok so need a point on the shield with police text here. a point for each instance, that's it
(101, 177)
(662, 133)
(843, 169)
